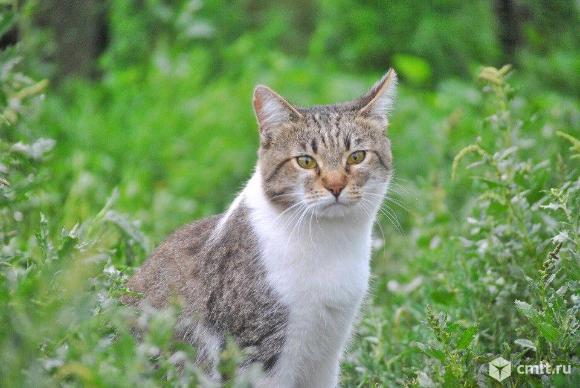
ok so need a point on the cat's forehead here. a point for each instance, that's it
(327, 114)
(327, 119)
(332, 126)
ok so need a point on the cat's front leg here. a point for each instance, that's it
(279, 381)
(324, 374)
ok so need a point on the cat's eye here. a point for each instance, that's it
(356, 157)
(306, 162)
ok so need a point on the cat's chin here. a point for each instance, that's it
(336, 210)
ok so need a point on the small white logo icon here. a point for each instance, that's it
(500, 369)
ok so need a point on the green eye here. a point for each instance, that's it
(356, 157)
(306, 162)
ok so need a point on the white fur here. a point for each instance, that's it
(321, 272)
(383, 100)
(217, 232)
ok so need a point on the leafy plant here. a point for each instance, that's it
(94, 173)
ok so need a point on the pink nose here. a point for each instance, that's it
(334, 182)
(335, 188)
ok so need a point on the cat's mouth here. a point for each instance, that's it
(335, 209)
(338, 207)
(334, 204)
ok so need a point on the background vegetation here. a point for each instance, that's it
(120, 121)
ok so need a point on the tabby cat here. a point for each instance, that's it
(284, 270)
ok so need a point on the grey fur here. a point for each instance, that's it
(222, 288)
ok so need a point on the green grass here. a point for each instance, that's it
(482, 264)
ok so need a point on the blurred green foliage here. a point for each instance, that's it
(94, 172)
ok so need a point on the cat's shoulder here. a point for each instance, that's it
(167, 267)
(191, 237)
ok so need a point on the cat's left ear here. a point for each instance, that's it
(378, 102)
(272, 110)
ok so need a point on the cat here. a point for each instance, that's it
(284, 271)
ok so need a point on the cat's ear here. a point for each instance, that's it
(378, 102)
(271, 109)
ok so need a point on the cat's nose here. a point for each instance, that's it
(335, 189)
(334, 182)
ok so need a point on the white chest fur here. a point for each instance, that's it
(320, 269)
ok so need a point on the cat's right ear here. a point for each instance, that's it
(271, 109)
(378, 102)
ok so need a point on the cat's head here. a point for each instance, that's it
(333, 159)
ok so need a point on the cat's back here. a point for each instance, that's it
(166, 270)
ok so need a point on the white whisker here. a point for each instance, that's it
(391, 199)
(391, 216)
(367, 212)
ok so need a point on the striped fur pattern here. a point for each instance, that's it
(284, 271)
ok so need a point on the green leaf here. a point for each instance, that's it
(7, 21)
(431, 351)
(575, 143)
(466, 337)
(492, 183)
(526, 343)
(444, 296)
(453, 327)
(527, 309)
(451, 377)
(548, 331)
(128, 227)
